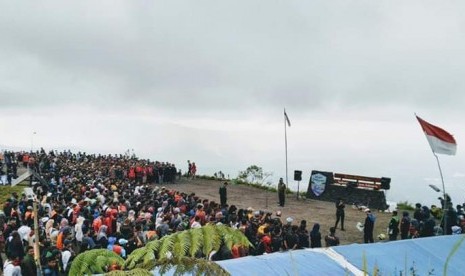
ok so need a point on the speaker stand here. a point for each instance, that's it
(298, 184)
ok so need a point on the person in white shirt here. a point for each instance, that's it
(24, 231)
(11, 267)
(78, 229)
(66, 254)
(196, 223)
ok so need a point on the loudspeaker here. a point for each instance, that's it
(297, 175)
(385, 183)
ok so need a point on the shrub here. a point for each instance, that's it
(6, 191)
(405, 205)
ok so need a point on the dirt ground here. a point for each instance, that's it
(313, 211)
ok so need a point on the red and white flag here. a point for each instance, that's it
(441, 141)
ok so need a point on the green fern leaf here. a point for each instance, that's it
(166, 247)
(196, 238)
(135, 258)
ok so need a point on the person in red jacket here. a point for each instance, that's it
(132, 174)
(193, 170)
(139, 173)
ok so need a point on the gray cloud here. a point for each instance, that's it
(208, 81)
(232, 56)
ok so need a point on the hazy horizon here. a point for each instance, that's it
(209, 81)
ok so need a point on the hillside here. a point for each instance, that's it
(313, 211)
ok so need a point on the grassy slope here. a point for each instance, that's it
(6, 191)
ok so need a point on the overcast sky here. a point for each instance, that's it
(208, 80)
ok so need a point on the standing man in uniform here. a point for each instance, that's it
(281, 192)
(223, 194)
(340, 213)
(369, 227)
(189, 168)
(394, 227)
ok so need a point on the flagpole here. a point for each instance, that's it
(442, 142)
(285, 142)
(445, 207)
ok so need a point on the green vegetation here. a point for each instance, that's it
(254, 174)
(95, 261)
(405, 205)
(206, 177)
(6, 191)
(237, 181)
(254, 177)
(179, 250)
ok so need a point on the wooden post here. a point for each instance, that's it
(36, 237)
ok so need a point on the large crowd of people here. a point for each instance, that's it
(90, 201)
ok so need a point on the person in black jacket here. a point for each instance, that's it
(340, 214)
(427, 224)
(331, 239)
(281, 192)
(404, 225)
(315, 236)
(15, 246)
(417, 213)
(223, 194)
(303, 235)
(369, 227)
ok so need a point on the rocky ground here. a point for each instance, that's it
(313, 211)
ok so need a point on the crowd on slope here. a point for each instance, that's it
(97, 201)
(104, 201)
(87, 201)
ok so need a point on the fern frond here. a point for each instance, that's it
(192, 266)
(149, 260)
(174, 248)
(94, 261)
(134, 258)
(217, 237)
(196, 238)
(133, 272)
(153, 245)
(211, 239)
(100, 263)
(181, 244)
(166, 246)
(116, 273)
(232, 236)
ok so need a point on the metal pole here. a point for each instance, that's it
(285, 142)
(445, 207)
(298, 185)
